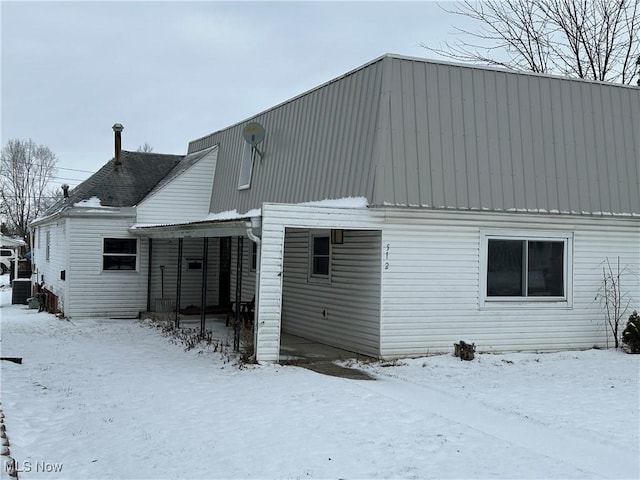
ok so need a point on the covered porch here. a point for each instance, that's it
(315, 285)
(199, 270)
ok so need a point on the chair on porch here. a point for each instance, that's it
(247, 310)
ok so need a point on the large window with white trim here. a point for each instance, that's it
(119, 254)
(529, 268)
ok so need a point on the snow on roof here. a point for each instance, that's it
(231, 215)
(90, 202)
(348, 202)
(11, 242)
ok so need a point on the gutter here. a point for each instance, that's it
(254, 232)
(75, 211)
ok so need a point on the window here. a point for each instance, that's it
(531, 269)
(246, 167)
(48, 245)
(254, 257)
(194, 264)
(320, 255)
(119, 254)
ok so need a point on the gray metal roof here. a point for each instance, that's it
(122, 185)
(413, 132)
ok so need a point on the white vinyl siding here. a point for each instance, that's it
(165, 253)
(94, 292)
(344, 313)
(270, 300)
(432, 290)
(50, 259)
(248, 275)
(431, 280)
(186, 198)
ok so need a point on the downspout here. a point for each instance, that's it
(34, 274)
(203, 297)
(179, 283)
(15, 261)
(256, 223)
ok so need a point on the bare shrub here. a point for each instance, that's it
(613, 299)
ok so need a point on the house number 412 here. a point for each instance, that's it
(386, 256)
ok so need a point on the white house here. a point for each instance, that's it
(409, 204)
(83, 251)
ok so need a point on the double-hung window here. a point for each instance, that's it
(320, 256)
(119, 254)
(526, 267)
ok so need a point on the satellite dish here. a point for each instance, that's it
(253, 134)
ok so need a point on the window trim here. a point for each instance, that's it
(565, 301)
(317, 277)
(48, 246)
(110, 254)
(246, 167)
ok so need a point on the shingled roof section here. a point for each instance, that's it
(123, 185)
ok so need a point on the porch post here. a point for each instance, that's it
(149, 275)
(236, 323)
(178, 282)
(203, 305)
(269, 315)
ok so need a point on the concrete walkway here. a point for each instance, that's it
(294, 350)
(319, 358)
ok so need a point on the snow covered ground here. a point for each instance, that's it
(115, 399)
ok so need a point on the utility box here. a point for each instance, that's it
(21, 291)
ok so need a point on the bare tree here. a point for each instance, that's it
(614, 300)
(592, 39)
(145, 148)
(26, 169)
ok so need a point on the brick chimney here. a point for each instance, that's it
(117, 129)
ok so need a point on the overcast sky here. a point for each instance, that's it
(171, 72)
